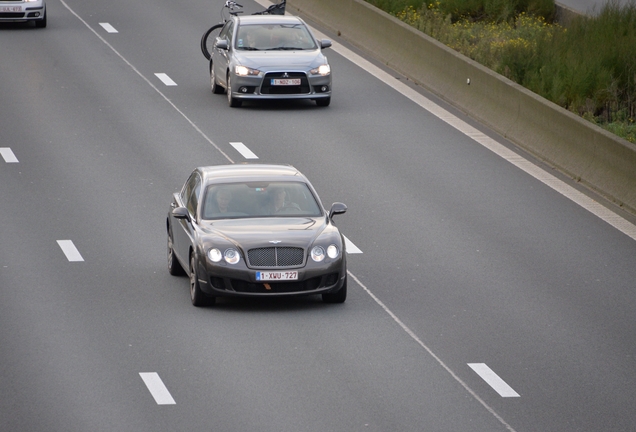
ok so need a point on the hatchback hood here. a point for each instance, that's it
(270, 60)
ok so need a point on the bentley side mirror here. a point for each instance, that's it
(337, 208)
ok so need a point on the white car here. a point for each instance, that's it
(23, 11)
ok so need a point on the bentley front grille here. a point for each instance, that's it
(276, 257)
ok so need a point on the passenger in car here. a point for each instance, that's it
(277, 202)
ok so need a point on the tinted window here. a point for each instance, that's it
(250, 200)
(192, 202)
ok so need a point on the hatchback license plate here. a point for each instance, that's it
(10, 8)
(285, 82)
(273, 276)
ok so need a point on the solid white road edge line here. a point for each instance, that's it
(8, 155)
(243, 150)
(493, 380)
(165, 79)
(157, 389)
(109, 28)
(69, 249)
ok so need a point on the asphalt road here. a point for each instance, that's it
(480, 297)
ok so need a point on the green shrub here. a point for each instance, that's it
(588, 67)
(395, 6)
(496, 10)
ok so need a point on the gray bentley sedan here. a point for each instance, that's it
(255, 230)
(269, 57)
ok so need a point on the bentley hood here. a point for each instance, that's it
(251, 233)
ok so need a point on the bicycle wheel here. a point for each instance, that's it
(208, 38)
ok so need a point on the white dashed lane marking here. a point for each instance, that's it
(109, 28)
(243, 150)
(8, 155)
(493, 380)
(165, 79)
(69, 249)
(157, 389)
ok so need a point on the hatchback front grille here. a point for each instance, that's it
(276, 257)
(268, 88)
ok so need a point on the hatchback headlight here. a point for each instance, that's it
(323, 70)
(245, 71)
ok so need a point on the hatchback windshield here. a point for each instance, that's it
(263, 37)
(262, 199)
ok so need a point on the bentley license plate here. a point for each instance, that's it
(274, 276)
(287, 81)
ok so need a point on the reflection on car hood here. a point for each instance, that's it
(303, 60)
(250, 233)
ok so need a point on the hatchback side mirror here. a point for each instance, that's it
(181, 213)
(325, 43)
(221, 44)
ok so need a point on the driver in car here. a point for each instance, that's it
(277, 202)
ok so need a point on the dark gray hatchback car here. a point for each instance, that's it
(255, 230)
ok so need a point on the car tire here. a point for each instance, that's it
(339, 296)
(198, 297)
(42, 22)
(323, 102)
(231, 101)
(174, 267)
(216, 89)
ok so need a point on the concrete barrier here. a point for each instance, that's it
(598, 159)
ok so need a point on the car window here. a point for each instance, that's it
(278, 37)
(193, 197)
(257, 200)
(227, 31)
(187, 187)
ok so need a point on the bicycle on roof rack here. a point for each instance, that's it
(233, 8)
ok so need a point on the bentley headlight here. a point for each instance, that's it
(215, 255)
(245, 71)
(317, 253)
(332, 251)
(231, 256)
(323, 70)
